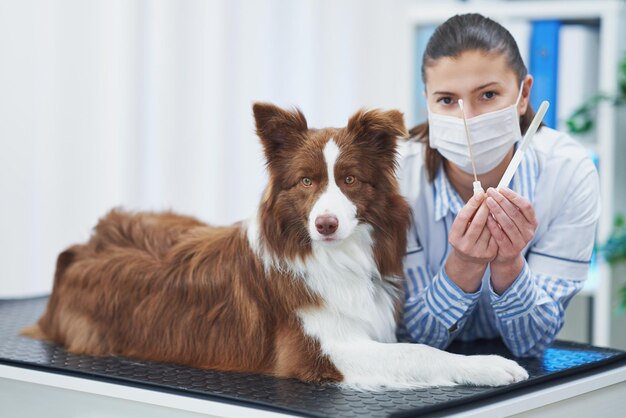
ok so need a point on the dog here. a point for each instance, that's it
(308, 288)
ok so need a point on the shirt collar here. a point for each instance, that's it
(523, 183)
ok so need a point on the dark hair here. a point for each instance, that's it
(463, 33)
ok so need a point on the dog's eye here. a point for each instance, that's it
(306, 182)
(350, 179)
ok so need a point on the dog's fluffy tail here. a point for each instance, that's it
(34, 331)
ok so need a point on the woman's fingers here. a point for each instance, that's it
(518, 209)
(512, 211)
(508, 226)
(525, 207)
(477, 225)
(492, 247)
(482, 243)
(469, 234)
(502, 240)
(465, 215)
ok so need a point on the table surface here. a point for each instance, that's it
(562, 362)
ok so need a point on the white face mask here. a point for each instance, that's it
(492, 135)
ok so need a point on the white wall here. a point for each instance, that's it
(147, 105)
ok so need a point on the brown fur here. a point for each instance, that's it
(169, 288)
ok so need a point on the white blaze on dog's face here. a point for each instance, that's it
(333, 216)
(323, 183)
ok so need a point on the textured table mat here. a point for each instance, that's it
(560, 362)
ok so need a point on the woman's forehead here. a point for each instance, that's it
(468, 70)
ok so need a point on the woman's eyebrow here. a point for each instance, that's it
(484, 86)
(447, 93)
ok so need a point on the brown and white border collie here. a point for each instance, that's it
(308, 288)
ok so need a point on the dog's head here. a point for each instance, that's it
(325, 182)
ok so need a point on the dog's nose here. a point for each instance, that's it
(326, 224)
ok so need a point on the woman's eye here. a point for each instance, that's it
(306, 182)
(489, 95)
(350, 179)
(445, 100)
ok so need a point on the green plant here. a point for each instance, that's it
(582, 119)
(614, 251)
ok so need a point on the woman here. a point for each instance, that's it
(506, 262)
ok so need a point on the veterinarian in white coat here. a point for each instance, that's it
(502, 263)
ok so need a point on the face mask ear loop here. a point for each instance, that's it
(477, 186)
(519, 95)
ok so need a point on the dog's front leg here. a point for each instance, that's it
(369, 364)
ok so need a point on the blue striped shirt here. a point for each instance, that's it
(530, 313)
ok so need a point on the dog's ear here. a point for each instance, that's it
(378, 127)
(278, 127)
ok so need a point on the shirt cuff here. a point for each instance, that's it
(446, 301)
(518, 299)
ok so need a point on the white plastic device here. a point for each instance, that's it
(517, 157)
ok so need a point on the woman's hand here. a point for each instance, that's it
(512, 225)
(472, 245)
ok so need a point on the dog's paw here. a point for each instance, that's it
(490, 371)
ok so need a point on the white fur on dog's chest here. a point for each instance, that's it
(365, 315)
(345, 276)
(356, 302)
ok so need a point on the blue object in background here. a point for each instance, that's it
(544, 66)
